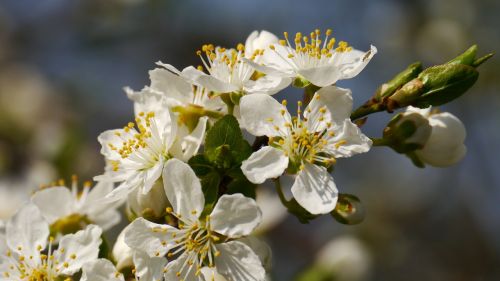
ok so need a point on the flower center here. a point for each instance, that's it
(38, 275)
(140, 139)
(303, 142)
(197, 241)
(227, 65)
(31, 268)
(312, 49)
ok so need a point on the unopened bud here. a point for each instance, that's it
(407, 131)
(150, 205)
(444, 83)
(398, 81)
(445, 145)
(348, 210)
(122, 253)
(438, 84)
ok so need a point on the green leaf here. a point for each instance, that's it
(225, 140)
(243, 186)
(209, 177)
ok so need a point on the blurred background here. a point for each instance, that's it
(63, 64)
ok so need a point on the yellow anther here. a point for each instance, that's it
(282, 42)
(284, 102)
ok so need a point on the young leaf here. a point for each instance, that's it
(226, 132)
(209, 177)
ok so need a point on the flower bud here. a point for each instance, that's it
(348, 210)
(444, 83)
(439, 84)
(445, 145)
(407, 131)
(151, 205)
(122, 254)
(398, 81)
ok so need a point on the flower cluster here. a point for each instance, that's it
(189, 177)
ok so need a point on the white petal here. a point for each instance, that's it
(208, 81)
(266, 163)
(181, 268)
(237, 262)
(27, 230)
(270, 70)
(77, 249)
(110, 137)
(100, 270)
(149, 268)
(120, 192)
(122, 253)
(169, 67)
(268, 85)
(146, 100)
(106, 219)
(259, 40)
(261, 115)
(54, 202)
(151, 175)
(152, 238)
(445, 145)
(169, 84)
(321, 76)
(261, 249)
(235, 215)
(315, 190)
(211, 274)
(348, 141)
(355, 62)
(337, 102)
(188, 143)
(183, 189)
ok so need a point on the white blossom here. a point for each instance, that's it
(27, 257)
(304, 145)
(445, 145)
(228, 70)
(200, 240)
(146, 268)
(137, 153)
(68, 205)
(314, 59)
(189, 102)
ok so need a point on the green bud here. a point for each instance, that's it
(466, 58)
(398, 81)
(223, 157)
(444, 83)
(348, 210)
(407, 95)
(438, 84)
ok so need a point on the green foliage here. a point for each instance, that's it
(219, 166)
(224, 143)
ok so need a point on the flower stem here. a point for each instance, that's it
(380, 142)
(277, 184)
(367, 109)
(309, 92)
